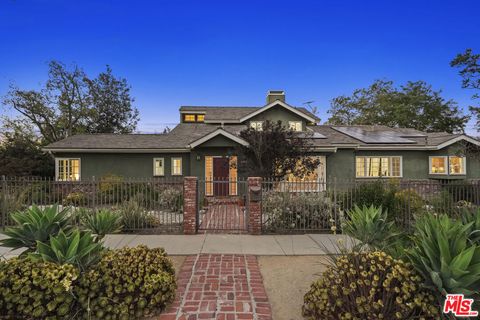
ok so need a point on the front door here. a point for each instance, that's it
(220, 176)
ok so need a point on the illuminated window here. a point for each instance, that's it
(67, 169)
(189, 118)
(456, 165)
(452, 165)
(438, 165)
(366, 167)
(200, 117)
(256, 125)
(158, 167)
(295, 125)
(232, 176)
(176, 166)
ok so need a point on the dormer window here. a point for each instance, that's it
(256, 125)
(193, 118)
(295, 125)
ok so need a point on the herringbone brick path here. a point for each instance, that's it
(220, 287)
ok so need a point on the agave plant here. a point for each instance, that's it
(102, 222)
(371, 227)
(35, 224)
(78, 248)
(472, 216)
(444, 256)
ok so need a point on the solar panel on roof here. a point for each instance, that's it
(374, 137)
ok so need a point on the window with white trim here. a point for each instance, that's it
(256, 125)
(447, 165)
(295, 125)
(373, 167)
(158, 166)
(176, 166)
(67, 169)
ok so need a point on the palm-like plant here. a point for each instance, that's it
(371, 227)
(444, 256)
(78, 248)
(102, 222)
(35, 224)
(472, 216)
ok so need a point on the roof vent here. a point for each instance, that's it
(274, 95)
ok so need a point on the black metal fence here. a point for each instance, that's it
(318, 206)
(151, 205)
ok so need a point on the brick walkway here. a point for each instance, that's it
(220, 287)
(223, 217)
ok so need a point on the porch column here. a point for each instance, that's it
(254, 202)
(190, 186)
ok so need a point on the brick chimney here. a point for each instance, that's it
(274, 95)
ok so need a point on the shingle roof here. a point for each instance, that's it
(185, 133)
(226, 113)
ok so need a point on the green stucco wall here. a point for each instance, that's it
(340, 164)
(415, 163)
(279, 113)
(125, 164)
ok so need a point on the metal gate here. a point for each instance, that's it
(222, 206)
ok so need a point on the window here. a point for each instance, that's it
(448, 165)
(295, 125)
(67, 169)
(256, 125)
(193, 117)
(158, 167)
(456, 165)
(176, 166)
(438, 165)
(371, 167)
(189, 118)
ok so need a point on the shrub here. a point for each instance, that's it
(36, 289)
(129, 283)
(369, 285)
(376, 193)
(408, 205)
(110, 182)
(287, 210)
(75, 198)
(371, 227)
(77, 248)
(102, 222)
(443, 255)
(35, 224)
(135, 216)
(172, 199)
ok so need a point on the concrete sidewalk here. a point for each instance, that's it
(264, 245)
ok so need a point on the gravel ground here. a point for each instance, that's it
(287, 279)
(177, 262)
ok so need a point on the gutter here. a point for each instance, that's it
(116, 150)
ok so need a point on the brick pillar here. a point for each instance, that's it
(190, 205)
(254, 200)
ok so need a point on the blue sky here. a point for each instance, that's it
(231, 52)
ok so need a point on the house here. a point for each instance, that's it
(203, 144)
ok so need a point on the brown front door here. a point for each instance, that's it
(220, 176)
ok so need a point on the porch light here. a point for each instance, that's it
(198, 158)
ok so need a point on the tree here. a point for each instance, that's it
(469, 65)
(112, 110)
(413, 105)
(275, 152)
(20, 151)
(71, 103)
